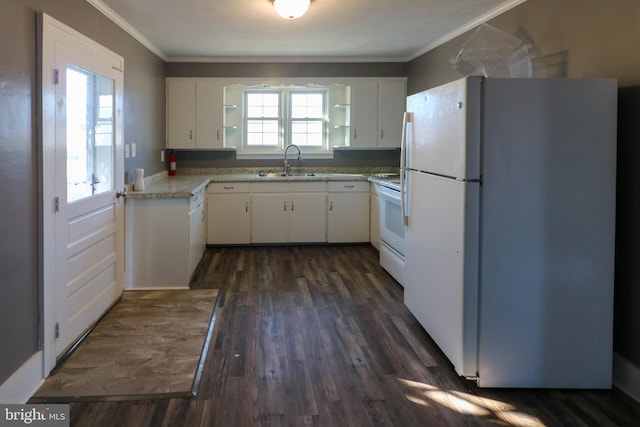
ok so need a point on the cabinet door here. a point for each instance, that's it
(269, 219)
(228, 219)
(392, 96)
(209, 114)
(181, 117)
(197, 229)
(364, 114)
(308, 219)
(348, 217)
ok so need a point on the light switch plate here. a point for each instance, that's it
(126, 151)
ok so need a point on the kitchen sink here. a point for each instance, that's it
(269, 174)
(284, 175)
(301, 174)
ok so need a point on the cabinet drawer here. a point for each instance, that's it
(348, 186)
(307, 187)
(270, 187)
(229, 187)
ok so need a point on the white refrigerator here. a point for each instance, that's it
(509, 205)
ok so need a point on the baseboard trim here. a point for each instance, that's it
(626, 377)
(20, 386)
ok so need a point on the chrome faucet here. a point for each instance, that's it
(286, 163)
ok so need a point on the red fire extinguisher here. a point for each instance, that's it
(172, 164)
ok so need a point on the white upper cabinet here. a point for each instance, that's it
(209, 114)
(206, 113)
(377, 106)
(392, 100)
(364, 114)
(181, 113)
(194, 113)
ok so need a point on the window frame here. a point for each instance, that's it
(285, 119)
(246, 119)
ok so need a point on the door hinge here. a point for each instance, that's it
(57, 332)
(56, 77)
(56, 203)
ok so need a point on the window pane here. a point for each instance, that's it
(262, 132)
(307, 105)
(263, 104)
(90, 134)
(307, 132)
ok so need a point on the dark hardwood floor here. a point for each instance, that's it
(319, 336)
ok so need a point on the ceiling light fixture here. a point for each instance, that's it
(291, 9)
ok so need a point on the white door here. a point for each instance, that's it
(270, 218)
(445, 132)
(83, 216)
(392, 97)
(308, 218)
(181, 116)
(441, 264)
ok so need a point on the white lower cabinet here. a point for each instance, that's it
(229, 213)
(308, 219)
(165, 240)
(348, 212)
(288, 212)
(270, 218)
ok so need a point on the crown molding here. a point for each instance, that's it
(469, 26)
(122, 23)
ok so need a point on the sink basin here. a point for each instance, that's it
(284, 175)
(301, 174)
(269, 174)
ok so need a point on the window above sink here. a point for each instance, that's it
(261, 119)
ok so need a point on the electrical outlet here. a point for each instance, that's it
(162, 156)
(133, 149)
(126, 151)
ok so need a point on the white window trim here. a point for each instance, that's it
(242, 152)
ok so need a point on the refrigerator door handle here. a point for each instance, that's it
(406, 119)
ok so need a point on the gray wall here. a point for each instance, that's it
(572, 38)
(144, 113)
(591, 39)
(372, 69)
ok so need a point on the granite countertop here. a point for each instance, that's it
(165, 187)
(190, 181)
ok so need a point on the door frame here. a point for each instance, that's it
(52, 31)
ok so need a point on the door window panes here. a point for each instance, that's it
(89, 133)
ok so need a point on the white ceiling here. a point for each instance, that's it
(331, 30)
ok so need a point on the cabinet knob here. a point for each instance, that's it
(331, 205)
(246, 206)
